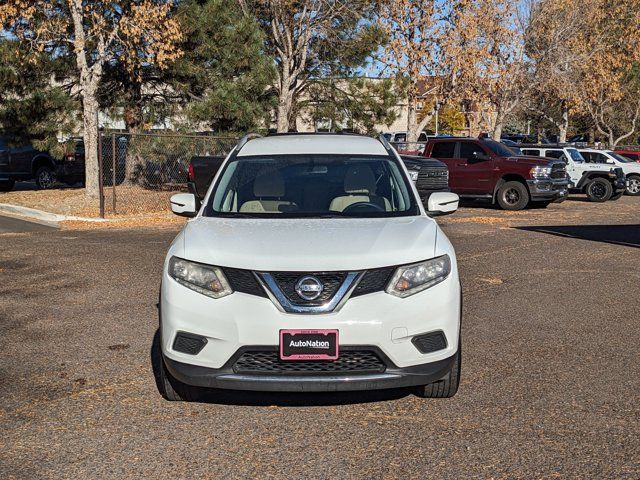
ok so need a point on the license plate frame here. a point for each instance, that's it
(289, 352)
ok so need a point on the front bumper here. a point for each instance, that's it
(226, 378)
(376, 321)
(547, 189)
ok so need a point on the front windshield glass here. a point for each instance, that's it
(620, 158)
(312, 186)
(575, 155)
(499, 149)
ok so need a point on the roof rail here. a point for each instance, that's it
(387, 146)
(245, 139)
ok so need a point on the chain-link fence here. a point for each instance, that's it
(140, 171)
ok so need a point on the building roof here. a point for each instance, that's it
(313, 143)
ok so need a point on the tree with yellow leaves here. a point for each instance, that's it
(609, 86)
(434, 41)
(501, 83)
(92, 34)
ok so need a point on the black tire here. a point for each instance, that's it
(617, 196)
(45, 178)
(171, 388)
(7, 185)
(598, 190)
(513, 196)
(447, 386)
(634, 185)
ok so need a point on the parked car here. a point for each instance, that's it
(524, 138)
(25, 163)
(599, 184)
(308, 268)
(429, 175)
(486, 169)
(632, 155)
(399, 141)
(630, 168)
(202, 169)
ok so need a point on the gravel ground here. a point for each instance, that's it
(550, 377)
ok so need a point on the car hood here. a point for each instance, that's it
(309, 244)
(629, 167)
(533, 161)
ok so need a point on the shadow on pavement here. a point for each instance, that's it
(281, 399)
(626, 235)
(31, 186)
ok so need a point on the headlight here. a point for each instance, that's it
(540, 172)
(205, 279)
(410, 279)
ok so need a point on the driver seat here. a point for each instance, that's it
(360, 185)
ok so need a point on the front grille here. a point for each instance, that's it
(619, 173)
(375, 280)
(243, 281)
(349, 362)
(331, 282)
(558, 171)
(432, 178)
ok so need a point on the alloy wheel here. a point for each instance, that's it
(45, 179)
(598, 190)
(511, 196)
(634, 185)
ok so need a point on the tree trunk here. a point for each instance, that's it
(496, 132)
(564, 123)
(90, 136)
(412, 119)
(284, 110)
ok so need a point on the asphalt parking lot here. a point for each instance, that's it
(550, 374)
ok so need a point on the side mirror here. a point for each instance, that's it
(184, 204)
(442, 203)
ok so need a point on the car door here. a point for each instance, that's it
(475, 168)
(445, 151)
(20, 159)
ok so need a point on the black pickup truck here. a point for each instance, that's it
(27, 163)
(429, 175)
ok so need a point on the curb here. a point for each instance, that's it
(42, 216)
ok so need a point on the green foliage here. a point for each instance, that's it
(357, 104)
(34, 107)
(224, 75)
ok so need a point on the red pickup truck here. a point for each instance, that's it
(486, 169)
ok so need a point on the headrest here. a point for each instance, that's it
(269, 184)
(360, 179)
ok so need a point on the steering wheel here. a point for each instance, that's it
(363, 206)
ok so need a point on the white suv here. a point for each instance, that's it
(599, 182)
(630, 168)
(311, 265)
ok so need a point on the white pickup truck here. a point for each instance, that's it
(630, 168)
(599, 182)
(311, 265)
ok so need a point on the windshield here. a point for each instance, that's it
(499, 149)
(620, 158)
(575, 155)
(312, 186)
